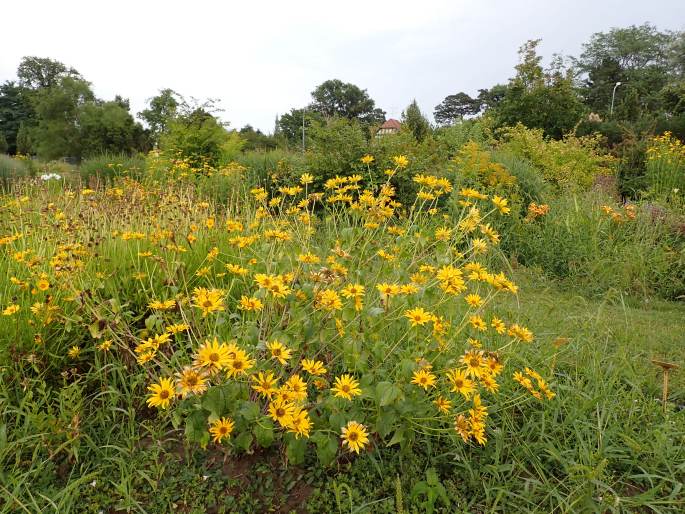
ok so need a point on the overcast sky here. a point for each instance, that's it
(263, 58)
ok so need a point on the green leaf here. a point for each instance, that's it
(243, 441)
(249, 411)
(386, 422)
(264, 432)
(218, 400)
(397, 437)
(295, 449)
(326, 448)
(196, 427)
(387, 393)
(336, 421)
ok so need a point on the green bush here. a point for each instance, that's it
(454, 137)
(201, 139)
(570, 164)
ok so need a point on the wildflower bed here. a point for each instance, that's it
(336, 320)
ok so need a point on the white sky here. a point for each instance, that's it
(262, 58)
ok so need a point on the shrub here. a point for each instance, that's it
(200, 138)
(452, 138)
(570, 164)
(335, 146)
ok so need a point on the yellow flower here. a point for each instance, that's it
(501, 204)
(279, 352)
(473, 300)
(498, 325)
(105, 345)
(221, 429)
(418, 316)
(346, 387)
(355, 436)
(494, 365)
(236, 270)
(300, 424)
(213, 356)
(443, 234)
(388, 290)
(163, 305)
(250, 304)
(474, 362)
(400, 161)
(460, 384)
(177, 328)
(239, 363)
(521, 333)
(74, 352)
(308, 258)
(367, 159)
(312, 367)
(328, 300)
(478, 323)
(282, 412)
(463, 427)
(10, 310)
(208, 300)
(162, 393)
(424, 378)
(444, 405)
(306, 178)
(297, 387)
(43, 284)
(265, 384)
(190, 381)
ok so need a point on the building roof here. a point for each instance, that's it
(391, 124)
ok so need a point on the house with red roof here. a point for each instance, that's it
(391, 126)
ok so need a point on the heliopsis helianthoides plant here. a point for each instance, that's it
(337, 320)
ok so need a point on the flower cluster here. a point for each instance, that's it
(338, 318)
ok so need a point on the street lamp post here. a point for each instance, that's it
(303, 111)
(613, 95)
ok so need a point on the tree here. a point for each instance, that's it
(290, 125)
(24, 140)
(539, 98)
(109, 127)
(456, 107)
(3, 144)
(491, 98)
(337, 98)
(161, 110)
(42, 72)
(15, 109)
(413, 118)
(255, 139)
(640, 57)
(58, 107)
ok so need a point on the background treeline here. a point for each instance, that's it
(51, 111)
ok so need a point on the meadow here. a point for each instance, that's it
(255, 337)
